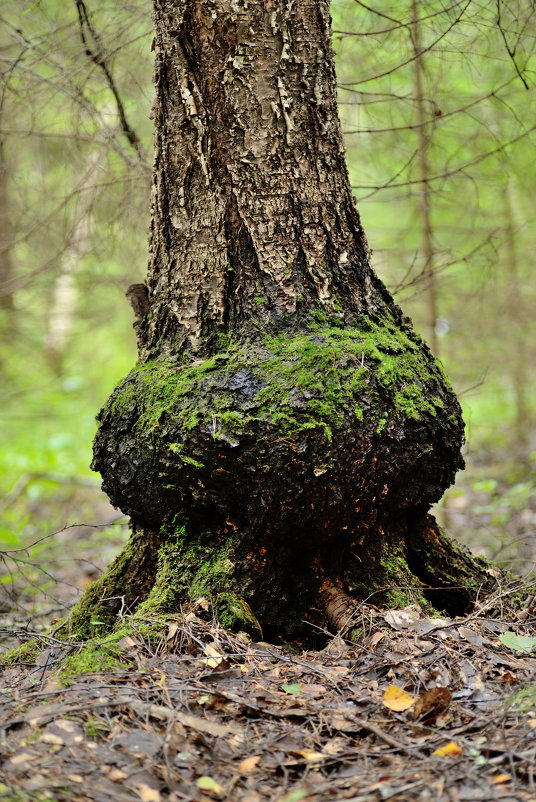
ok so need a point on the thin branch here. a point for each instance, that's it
(448, 173)
(414, 56)
(98, 57)
(398, 25)
(511, 52)
(436, 118)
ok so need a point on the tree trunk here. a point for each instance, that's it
(285, 431)
(6, 240)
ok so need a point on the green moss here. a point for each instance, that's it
(300, 380)
(178, 448)
(402, 586)
(236, 614)
(190, 568)
(91, 659)
(27, 652)
(95, 729)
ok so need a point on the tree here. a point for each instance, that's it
(285, 431)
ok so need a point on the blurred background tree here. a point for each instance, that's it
(436, 103)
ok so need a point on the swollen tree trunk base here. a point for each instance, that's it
(279, 472)
(288, 597)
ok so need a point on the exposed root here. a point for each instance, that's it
(340, 609)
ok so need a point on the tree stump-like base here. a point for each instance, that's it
(280, 475)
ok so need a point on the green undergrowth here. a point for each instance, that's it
(293, 380)
(106, 652)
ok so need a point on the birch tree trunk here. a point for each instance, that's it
(281, 440)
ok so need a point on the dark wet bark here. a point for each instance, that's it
(285, 431)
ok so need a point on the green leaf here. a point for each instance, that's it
(208, 784)
(8, 537)
(519, 643)
(296, 795)
(295, 687)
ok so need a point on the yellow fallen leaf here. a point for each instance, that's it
(501, 778)
(249, 764)
(311, 756)
(214, 657)
(396, 699)
(449, 750)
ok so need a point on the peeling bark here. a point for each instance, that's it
(252, 217)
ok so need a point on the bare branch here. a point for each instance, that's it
(511, 51)
(98, 57)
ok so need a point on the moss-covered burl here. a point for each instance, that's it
(285, 432)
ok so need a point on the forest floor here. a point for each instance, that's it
(418, 708)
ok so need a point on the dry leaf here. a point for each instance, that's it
(449, 750)
(471, 636)
(403, 619)
(335, 745)
(296, 795)
(116, 775)
(51, 738)
(431, 703)
(396, 699)
(249, 764)
(376, 638)
(311, 756)
(313, 689)
(501, 778)
(214, 656)
(172, 631)
(342, 721)
(148, 794)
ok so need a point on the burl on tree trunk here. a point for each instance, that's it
(285, 432)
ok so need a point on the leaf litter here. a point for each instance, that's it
(416, 709)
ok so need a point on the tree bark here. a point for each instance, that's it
(6, 239)
(285, 430)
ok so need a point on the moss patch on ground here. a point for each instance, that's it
(91, 659)
(27, 652)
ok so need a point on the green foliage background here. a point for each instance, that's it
(77, 196)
